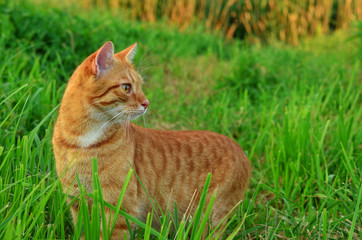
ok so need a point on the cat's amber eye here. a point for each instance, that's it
(126, 88)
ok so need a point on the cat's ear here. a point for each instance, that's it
(128, 53)
(104, 59)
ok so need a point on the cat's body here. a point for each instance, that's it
(172, 165)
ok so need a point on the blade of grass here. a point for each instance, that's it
(355, 214)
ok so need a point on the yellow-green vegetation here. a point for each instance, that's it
(296, 111)
(286, 20)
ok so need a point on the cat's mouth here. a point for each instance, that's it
(134, 114)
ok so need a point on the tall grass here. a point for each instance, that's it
(295, 111)
(286, 20)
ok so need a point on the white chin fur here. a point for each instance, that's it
(95, 132)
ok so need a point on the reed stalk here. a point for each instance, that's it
(286, 20)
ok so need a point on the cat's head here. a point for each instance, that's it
(111, 85)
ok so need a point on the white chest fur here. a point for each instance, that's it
(93, 135)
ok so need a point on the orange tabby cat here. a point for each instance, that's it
(102, 96)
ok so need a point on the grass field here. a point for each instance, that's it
(296, 111)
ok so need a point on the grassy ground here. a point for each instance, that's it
(295, 111)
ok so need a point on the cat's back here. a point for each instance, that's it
(192, 154)
(191, 143)
(173, 166)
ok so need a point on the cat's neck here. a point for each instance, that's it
(94, 133)
(81, 130)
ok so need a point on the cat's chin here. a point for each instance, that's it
(132, 116)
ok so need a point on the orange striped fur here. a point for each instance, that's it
(102, 96)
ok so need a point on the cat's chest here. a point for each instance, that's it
(110, 164)
(93, 135)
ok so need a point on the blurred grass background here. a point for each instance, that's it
(291, 100)
(260, 20)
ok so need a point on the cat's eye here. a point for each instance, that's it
(126, 88)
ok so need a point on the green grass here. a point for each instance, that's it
(295, 111)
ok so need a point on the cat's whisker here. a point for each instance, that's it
(125, 126)
(128, 118)
(146, 59)
(109, 111)
(146, 65)
(129, 127)
(148, 68)
(144, 123)
(96, 115)
(119, 114)
(150, 114)
(142, 59)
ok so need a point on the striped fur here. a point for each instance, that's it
(94, 122)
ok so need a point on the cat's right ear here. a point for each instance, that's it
(104, 59)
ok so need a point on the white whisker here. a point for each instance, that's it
(142, 59)
(146, 59)
(144, 123)
(109, 111)
(148, 68)
(119, 114)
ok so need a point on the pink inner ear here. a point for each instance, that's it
(104, 58)
(127, 53)
(132, 52)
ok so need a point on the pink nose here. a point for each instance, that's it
(145, 104)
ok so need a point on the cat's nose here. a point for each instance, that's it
(145, 104)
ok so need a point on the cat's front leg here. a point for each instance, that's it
(71, 191)
(120, 229)
(129, 205)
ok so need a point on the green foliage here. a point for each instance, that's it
(296, 112)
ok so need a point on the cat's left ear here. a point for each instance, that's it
(127, 53)
(104, 59)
